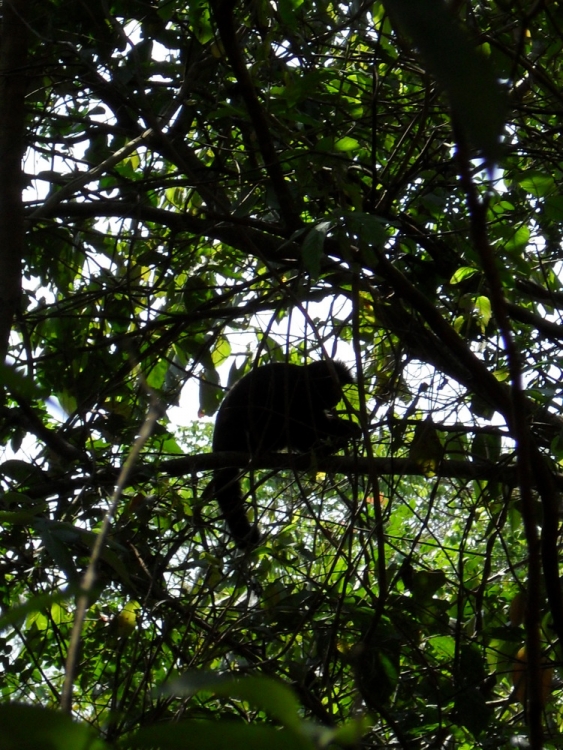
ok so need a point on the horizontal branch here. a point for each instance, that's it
(335, 465)
(347, 465)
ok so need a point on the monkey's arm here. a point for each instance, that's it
(335, 430)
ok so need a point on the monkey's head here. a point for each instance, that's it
(327, 380)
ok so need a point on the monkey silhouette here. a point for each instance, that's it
(276, 406)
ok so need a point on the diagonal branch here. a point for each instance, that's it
(223, 13)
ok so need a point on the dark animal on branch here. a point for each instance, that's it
(273, 407)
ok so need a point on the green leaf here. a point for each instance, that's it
(313, 247)
(34, 604)
(264, 693)
(518, 239)
(553, 208)
(426, 449)
(481, 408)
(484, 311)
(486, 446)
(427, 582)
(476, 98)
(26, 474)
(346, 144)
(157, 375)
(32, 727)
(18, 383)
(465, 272)
(473, 711)
(372, 231)
(538, 183)
(221, 351)
(212, 735)
(209, 392)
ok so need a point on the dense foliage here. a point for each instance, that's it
(188, 189)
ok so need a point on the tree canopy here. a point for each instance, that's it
(188, 190)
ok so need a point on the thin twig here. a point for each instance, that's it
(155, 412)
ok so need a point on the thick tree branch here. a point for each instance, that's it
(515, 414)
(189, 465)
(13, 84)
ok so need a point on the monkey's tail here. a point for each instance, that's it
(229, 496)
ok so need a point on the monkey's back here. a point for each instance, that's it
(273, 407)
